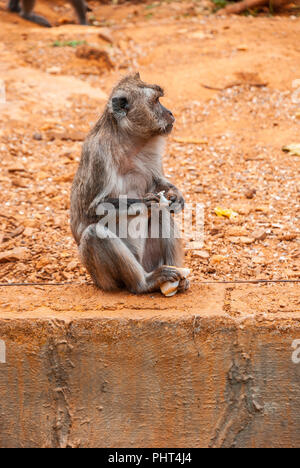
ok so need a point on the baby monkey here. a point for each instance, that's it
(27, 6)
(122, 156)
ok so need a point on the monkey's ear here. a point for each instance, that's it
(120, 106)
(137, 76)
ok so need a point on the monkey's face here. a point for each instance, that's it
(138, 111)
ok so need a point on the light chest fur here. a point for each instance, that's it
(135, 177)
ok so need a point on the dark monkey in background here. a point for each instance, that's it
(123, 156)
(27, 6)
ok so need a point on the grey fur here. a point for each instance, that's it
(27, 6)
(122, 155)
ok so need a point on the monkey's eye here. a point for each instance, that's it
(156, 101)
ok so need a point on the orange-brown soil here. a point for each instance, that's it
(231, 83)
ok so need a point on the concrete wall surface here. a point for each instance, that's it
(216, 367)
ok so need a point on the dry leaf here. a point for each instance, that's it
(293, 149)
(227, 213)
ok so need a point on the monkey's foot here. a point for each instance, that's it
(14, 6)
(36, 19)
(170, 288)
(162, 275)
(184, 285)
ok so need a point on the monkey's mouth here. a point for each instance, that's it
(167, 129)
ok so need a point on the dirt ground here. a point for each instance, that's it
(231, 83)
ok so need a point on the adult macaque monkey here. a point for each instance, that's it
(27, 6)
(123, 156)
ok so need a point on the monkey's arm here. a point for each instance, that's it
(172, 193)
(121, 203)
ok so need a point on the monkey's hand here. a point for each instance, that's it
(98, 204)
(151, 198)
(176, 199)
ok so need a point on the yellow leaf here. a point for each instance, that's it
(228, 213)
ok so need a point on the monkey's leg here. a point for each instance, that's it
(81, 8)
(14, 5)
(174, 255)
(26, 13)
(165, 250)
(112, 264)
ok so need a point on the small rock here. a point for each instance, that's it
(37, 136)
(257, 406)
(198, 35)
(17, 232)
(44, 261)
(288, 236)
(31, 223)
(65, 178)
(246, 240)
(250, 193)
(236, 231)
(255, 157)
(18, 182)
(201, 253)
(215, 259)
(241, 240)
(72, 135)
(16, 168)
(211, 270)
(259, 260)
(214, 231)
(260, 234)
(242, 48)
(53, 70)
(72, 265)
(28, 232)
(265, 209)
(105, 34)
(123, 45)
(242, 209)
(195, 245)
(13, 255)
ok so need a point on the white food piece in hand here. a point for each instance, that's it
(163, 200)
(170, 288)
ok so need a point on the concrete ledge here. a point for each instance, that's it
(212, 368)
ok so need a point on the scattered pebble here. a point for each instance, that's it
(259, 234)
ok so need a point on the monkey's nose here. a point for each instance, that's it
(172, 117)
